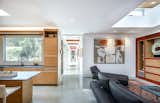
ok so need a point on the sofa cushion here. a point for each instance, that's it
(102, 77)
(123, 79)
(104, 84)
(122, 94)
(102, 96)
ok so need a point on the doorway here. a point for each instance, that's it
(72, 55)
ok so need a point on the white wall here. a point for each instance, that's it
(88, 55)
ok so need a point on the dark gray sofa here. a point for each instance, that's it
(94, 70)
(113, 92)
(97, 74)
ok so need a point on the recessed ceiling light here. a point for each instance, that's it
(115, 31)
(3, 13)
(154, 2)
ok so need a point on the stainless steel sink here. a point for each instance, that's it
(7, 74)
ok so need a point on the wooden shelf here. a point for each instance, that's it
(148, 48)
(50, 33)
(145, 58)
(156, 58)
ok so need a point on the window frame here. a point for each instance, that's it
(5, 62)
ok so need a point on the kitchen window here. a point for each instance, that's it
(22, 49)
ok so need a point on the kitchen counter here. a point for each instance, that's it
(22, 75)
(47, 76)
(24, 81)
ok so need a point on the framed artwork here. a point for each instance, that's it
(109, 51)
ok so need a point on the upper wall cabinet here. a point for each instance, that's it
(148, 57)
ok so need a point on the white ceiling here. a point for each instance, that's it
(71, 16)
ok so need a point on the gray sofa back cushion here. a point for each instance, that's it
(122, 94)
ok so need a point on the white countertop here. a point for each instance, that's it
(25, 75)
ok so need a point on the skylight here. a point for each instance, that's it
(141, 17)
(137, 12)
(3, 13)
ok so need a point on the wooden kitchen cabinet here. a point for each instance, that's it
(50, 58)
(49, 70)
(51, 46)
(46, 77)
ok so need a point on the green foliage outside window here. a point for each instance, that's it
(23, 48)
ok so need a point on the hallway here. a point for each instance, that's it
(72, 55)
(74, 89)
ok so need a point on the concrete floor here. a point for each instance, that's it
(74, 89)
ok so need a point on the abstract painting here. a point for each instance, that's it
(109, 51)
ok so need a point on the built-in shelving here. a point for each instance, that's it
(147, 64)
(50, 33)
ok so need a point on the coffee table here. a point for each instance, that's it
(155, 90)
